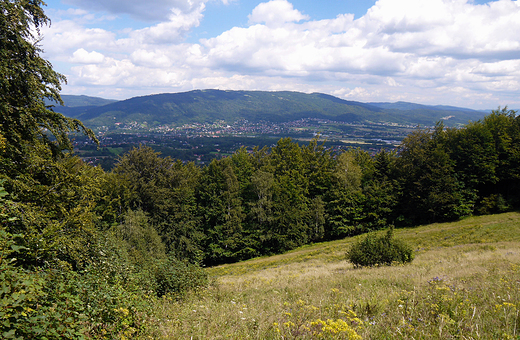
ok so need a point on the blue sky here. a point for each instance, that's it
(236, 13)
(452, 52)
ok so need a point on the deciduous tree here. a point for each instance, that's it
(26, 80)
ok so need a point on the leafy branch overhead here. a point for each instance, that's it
(26, 80)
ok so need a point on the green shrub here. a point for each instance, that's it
(177, 277)
(379, 250)
(34, 304)
(115, 306)
(492, 205)
(138, 250)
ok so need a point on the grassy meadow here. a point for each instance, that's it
(464, 283)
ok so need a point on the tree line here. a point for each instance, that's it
(270, 200)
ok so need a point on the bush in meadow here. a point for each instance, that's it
(379, 250)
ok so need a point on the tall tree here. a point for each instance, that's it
(290, 212)
(221, 211)
(344, 197)
(380, 190)
(26, 80)
(432, 190)
(52, 190)
(164, 189)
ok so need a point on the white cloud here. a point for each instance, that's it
(360, 93)
(445, 27)
(401, 49)
(391, 82)
(153, 59)
(157, 10)
(81, 56)
(111, 72)
(501, 68)
(172, 30)
(66, 36)
(77, 11)
(276, 13)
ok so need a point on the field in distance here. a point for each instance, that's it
(464, 283)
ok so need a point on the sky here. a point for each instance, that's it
(437, 52)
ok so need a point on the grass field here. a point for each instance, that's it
(464, 283)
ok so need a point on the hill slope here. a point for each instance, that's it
(208, 106)
(75, 105)
(463, 283)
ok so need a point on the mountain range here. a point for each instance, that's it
(208, 106)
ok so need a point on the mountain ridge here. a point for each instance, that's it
(208, 106)
(401, 105)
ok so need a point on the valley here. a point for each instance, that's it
(200, 143)
(198, 126)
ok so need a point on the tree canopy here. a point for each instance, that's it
(26, 79)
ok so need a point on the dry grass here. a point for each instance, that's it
(464, 283)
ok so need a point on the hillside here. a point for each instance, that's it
(405, 106)
(208, 106)
(75, 105)
(463, 283)
(85, 101)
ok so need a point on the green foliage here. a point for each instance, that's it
(104, 300)
(380, 188)
(164, 189)
(344, 197)
(112, 298)
(139, 257)
(53, 209)
(431, 187)
(52, 192)
(26, 79)
(41, 297)
(379, 250)
(492, 204)
(141, 240)
(176, 277)
(68, 269)
(35, 304)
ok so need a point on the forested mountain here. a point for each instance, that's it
(83, 101)
(405, 106)
(208, 106)
(75, 105)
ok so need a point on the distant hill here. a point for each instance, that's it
(76, 101)
(208, 106)
(74, 105)
(412, 106)
(81, 101)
